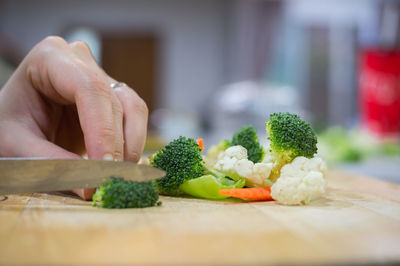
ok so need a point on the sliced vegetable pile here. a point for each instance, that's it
(286, 170)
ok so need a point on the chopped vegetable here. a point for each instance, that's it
(287, 171)
(118, 193)
(300, 181)
(200, 142)
(233, 162)
(247, 137)
(290, 137)
(208, 186)
(181, 160)
(255, 193)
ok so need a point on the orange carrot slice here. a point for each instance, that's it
(254, 193)
(201, 143)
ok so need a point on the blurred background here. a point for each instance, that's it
(207, 67)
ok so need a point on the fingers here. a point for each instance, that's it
(135, 122)
(82, 50)
(118, 126)
(96, 114)
(69, 75)
(133, 128)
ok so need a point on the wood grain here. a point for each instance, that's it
(356, 221)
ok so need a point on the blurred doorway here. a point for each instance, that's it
(133, 59)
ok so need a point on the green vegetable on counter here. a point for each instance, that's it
(290, 137)
(338, 145)
(186, 170)
(208, 186)
(181, 160)
(118, 193)
(247, 138)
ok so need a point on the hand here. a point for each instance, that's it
(59, 104)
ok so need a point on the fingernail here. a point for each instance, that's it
(108, 157)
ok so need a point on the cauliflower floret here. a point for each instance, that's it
(237, 152)
(300, 181)
(234, 163)
(228, 158)
(244, 167)
(260, 174)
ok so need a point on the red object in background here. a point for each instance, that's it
(380, 91)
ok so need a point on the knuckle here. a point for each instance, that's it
(97, 87)
(107, 132)
(51, 43)
(81, 45)
(139, 105)
(46, 49)
(42, 55)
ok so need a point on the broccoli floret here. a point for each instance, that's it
(118, 193)
(181, 160)
(247, 138)
(290, 137)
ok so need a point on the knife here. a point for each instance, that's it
(24, 175)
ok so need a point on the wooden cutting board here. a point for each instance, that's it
(356, 221)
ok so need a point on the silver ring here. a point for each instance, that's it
(115, 85)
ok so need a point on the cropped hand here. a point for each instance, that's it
(59, 104)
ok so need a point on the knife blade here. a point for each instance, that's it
(22, 175)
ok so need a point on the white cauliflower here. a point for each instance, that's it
(234, 163)
(300, 181)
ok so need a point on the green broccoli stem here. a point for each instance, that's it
(276, 171)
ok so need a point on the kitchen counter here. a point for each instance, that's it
(356, 221)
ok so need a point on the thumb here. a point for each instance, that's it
(44, 148)
(25, 140)
(15, 145)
